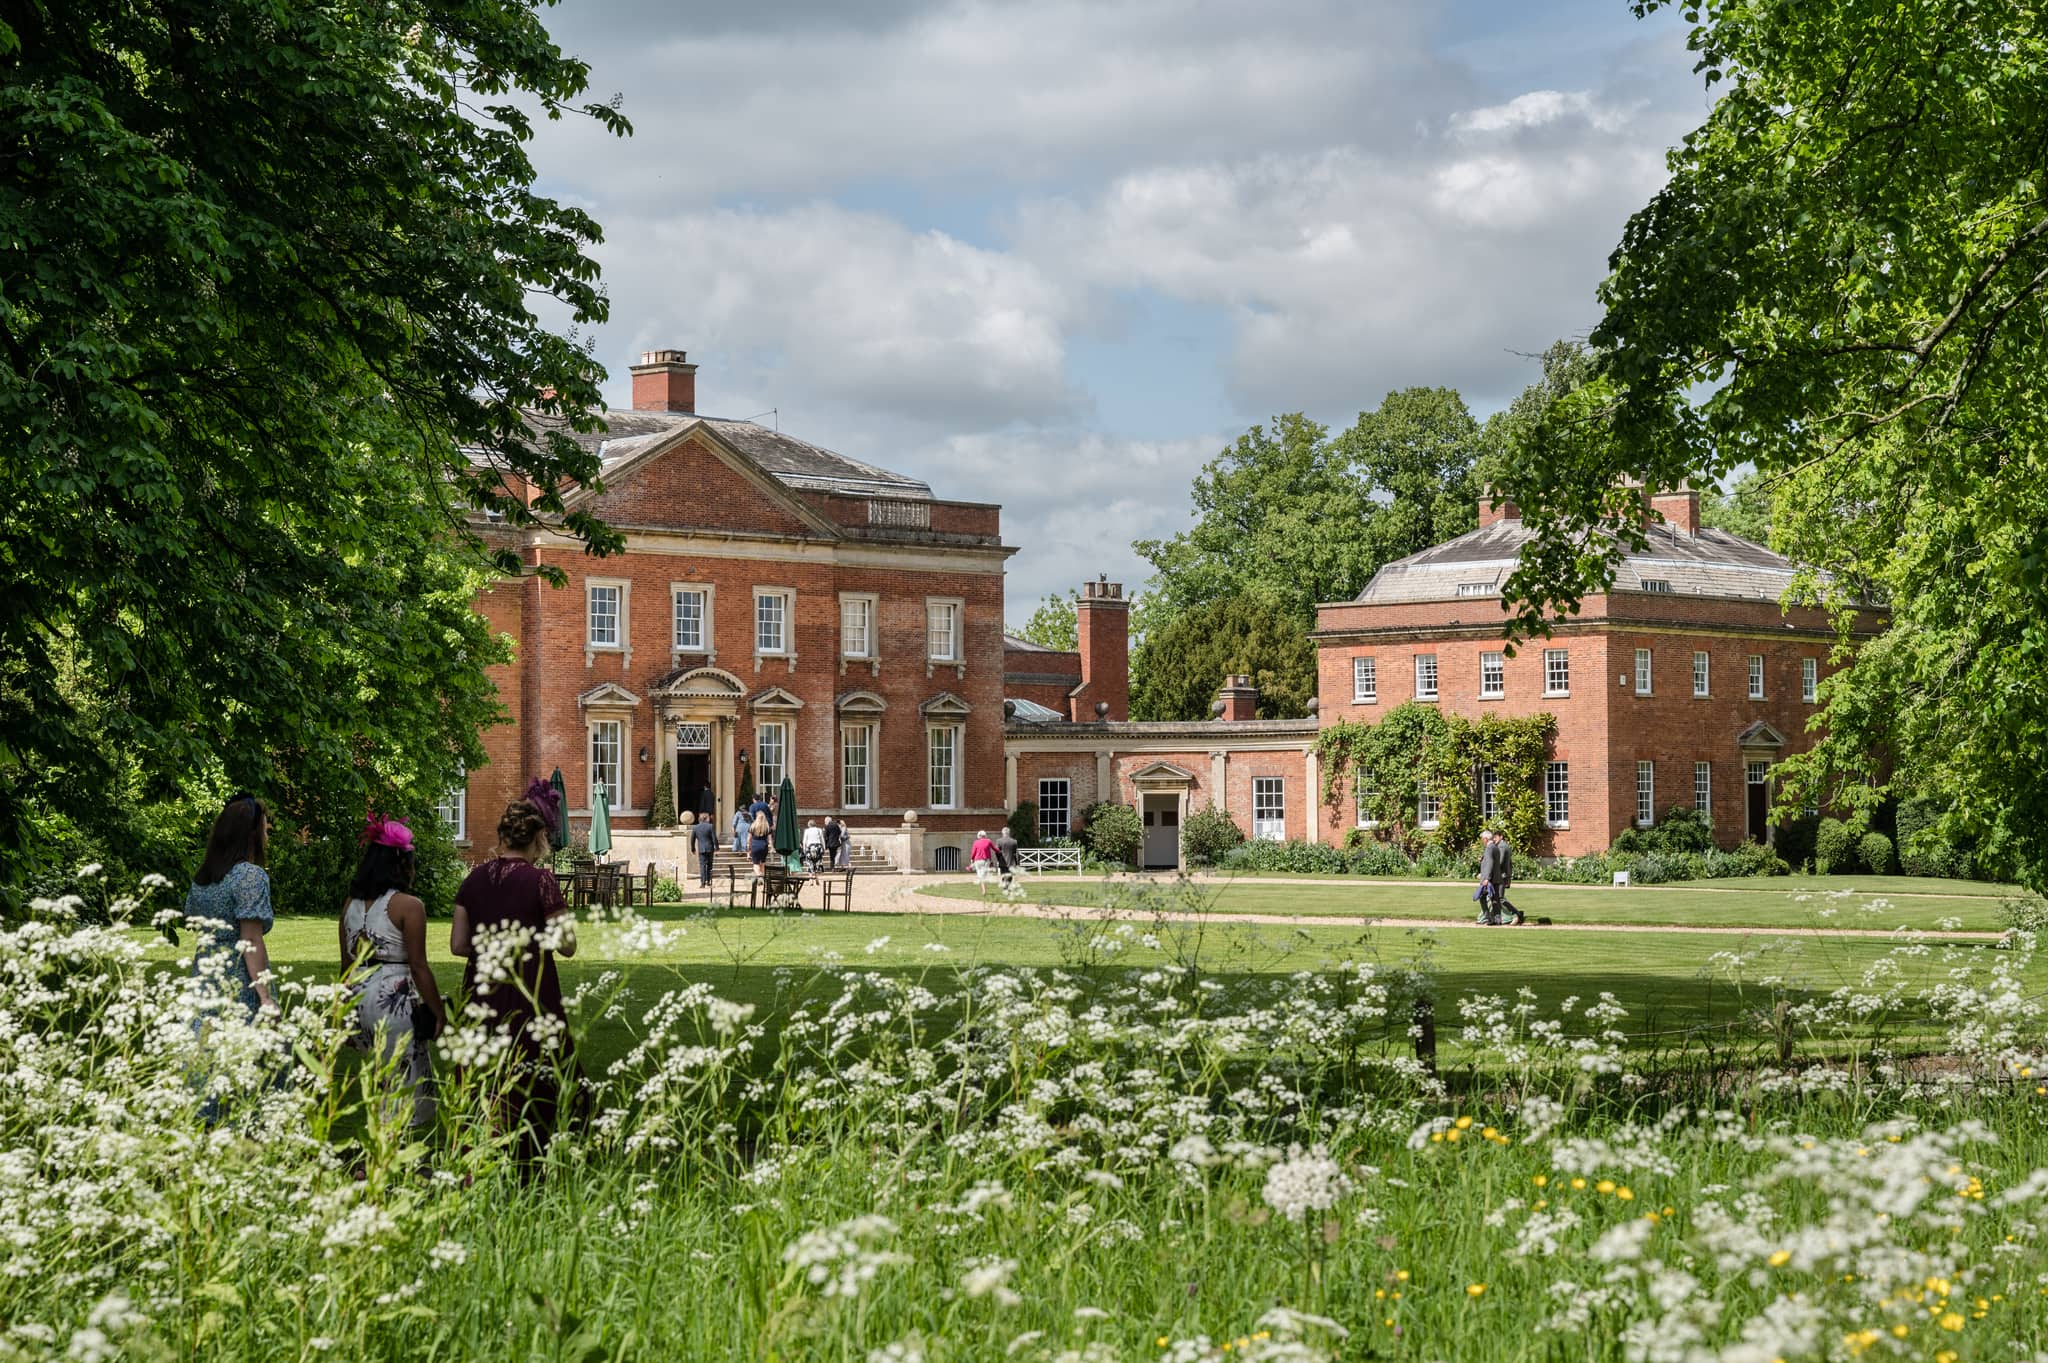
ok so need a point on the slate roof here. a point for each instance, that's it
(1016, 645)
(1031, 712)
(1706, 563)
(797, 463)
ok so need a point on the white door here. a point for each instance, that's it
(1162, 832)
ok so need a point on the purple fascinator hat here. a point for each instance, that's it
(541, 795)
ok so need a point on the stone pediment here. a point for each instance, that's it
(608, 696)
(774, 698)
(945, 703)
(1760, 735)
(859, 702)
(1162, 774)
(711, 682)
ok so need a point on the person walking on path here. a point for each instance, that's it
(1489, 864)
(231, 894)
(757, 839)
(814, 846)
(1006, 854)
(704, 840)
(835, 839)
(740, 819)
(980, 857)
(1504, 876)
(511, 896)
(399, 1009)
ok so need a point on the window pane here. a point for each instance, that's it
(1557, 672)
(944, 740)
(1269, 809)
(854, 744)
(604, 617)
(1365, 680)
(1428, 811)
(1488, 786)
(771, 611)
(942, 622)
(605, 737)
(1642, 671)
(1646, 796)
(1699, 674)
(1809, 679)
(856, 634)
(1054, 808)
(1493, 674)
(771, 743)
(453, 809)
(1557, 802)
(1364, 795)
(1756, 676)
(1425, 676)
(689, 621)
(1703, 789)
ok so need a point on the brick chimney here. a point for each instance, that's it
(1103, 617)
(1680, 510)
(1493, 510)
(1238, 700)
(664, 381)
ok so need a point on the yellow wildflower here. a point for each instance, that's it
(1781, 1258)
(1951, 1322)
(1479, 1290)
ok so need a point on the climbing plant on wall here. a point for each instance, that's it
(1418, 748)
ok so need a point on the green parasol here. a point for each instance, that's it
(600, 825)
(787, 836)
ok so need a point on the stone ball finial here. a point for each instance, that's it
(1102, 709)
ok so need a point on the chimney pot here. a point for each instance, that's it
(664, 381)
(1103, 621)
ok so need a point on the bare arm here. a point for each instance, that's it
(346, 959)
(567, 919)
(458, 933)
(411, 917)
(257, 957)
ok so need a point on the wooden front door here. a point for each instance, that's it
(1162, 832)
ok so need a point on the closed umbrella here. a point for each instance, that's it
(787, 836)
(600, 825)
(559, 834)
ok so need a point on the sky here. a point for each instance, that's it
(1059, 254)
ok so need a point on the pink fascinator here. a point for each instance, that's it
(383, 832)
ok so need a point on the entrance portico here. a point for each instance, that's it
(696, 716)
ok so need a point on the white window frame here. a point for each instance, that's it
(957, 645)
(1365, 680)
(622, 591)
(1557, 795)
(1646, 793)
(787, 598)
(1645, 672)
(1809, 680)
(1425, 664)
(1429, 811)
(1065, 827)
(1557, 672)
(942, 738)
(615, 789)
(870, 605)
(1702, 674)
(1703, 789)
(771, 770)
(865, 730)
(1493, 676)
(1269, 808)
(453, 809)
(1489, 792)
(1756, 676)
(1361, 790)
(676, 592)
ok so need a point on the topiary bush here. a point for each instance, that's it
(1747, 859)
(1294, 856)
(1023, 823)
(1874, 850)
(661, 808)
(1208, 834)
(1834, 848)
(1114, 832)
(1795, 839)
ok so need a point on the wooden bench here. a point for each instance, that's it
(1049, 859)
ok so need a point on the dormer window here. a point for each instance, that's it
(1656, 584)
(1475, 589)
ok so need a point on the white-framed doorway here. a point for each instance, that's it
(1160, 811)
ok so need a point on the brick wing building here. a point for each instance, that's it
(777, 607)
(1680, 686)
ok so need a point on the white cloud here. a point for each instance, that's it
(1537, 109)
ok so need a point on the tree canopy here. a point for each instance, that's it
(1842, 285)
(1178, 667)
(267, 280)
(1056, 623)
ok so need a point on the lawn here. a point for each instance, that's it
(1667, 982)
(1795, 902)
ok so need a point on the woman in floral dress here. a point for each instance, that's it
(510, 923)
(384, 963)
(229, 904)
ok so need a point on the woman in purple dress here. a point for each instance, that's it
(510, 923)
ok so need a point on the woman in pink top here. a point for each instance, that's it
(980, 857)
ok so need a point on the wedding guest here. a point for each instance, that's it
(231, 893)
(399, 1009)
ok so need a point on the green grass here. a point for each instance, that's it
(1666, 981)
(1775, 903)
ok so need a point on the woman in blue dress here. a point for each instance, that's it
(228, 905)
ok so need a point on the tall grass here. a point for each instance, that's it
(1088, 1162)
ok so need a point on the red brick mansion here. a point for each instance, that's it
(782, 609)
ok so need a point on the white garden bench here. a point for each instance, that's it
(1049, 859)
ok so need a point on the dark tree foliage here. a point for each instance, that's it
(1178, 668)
(267, 278)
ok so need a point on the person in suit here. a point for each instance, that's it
(704, 841)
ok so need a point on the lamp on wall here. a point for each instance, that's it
(643, 752)
(743, 754)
